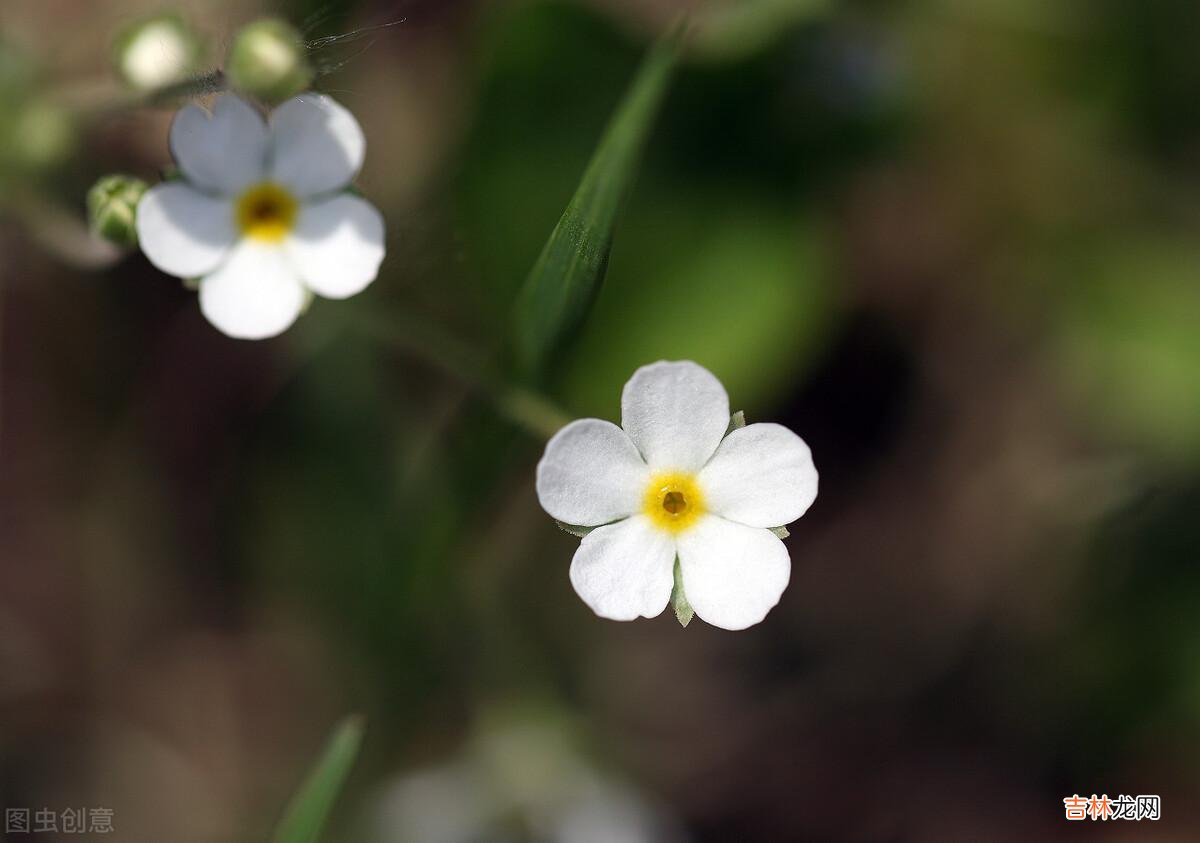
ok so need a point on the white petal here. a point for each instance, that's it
(676, 414)
(626, 569)
(317, 145)
(223, 152)
(761, 475)
(732, 574)
(591, 474)
(184, 232)
(337, 245)
(254, 295)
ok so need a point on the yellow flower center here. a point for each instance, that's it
(673, 501)
(266, 212)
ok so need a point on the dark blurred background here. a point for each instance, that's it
(953, 245)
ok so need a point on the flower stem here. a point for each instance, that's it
(99, 96)
(531, 411)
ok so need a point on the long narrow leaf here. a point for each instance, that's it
(309, 809)
(567, 276)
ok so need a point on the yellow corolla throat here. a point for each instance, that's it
(673, 501)
(266, 212)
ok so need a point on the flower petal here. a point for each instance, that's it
(184, 232)
(223, 152)
(732, 574)
(254, 295)
(625, 570)
(591, 474)
(761, 475)
(676, 414)
(317, 145)
(337, 246)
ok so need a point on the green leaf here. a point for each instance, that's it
(758, 334)
(683, 609)
(307, 812)
(564, 281)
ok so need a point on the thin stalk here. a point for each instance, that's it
(530, 410)
(98, 96)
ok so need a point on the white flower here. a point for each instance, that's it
(262, 216)
(523, 771)
(671, 483)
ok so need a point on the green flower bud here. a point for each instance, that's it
(267, 60)
(156, 52)
(112, 209)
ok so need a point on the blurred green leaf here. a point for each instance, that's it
(738, 284)
(567, 275)
(1128, 341)
(736, 29)
(310, 807)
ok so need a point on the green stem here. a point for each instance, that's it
(208, 83)
(532, 411)
(98, 96)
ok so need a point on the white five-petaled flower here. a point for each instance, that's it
(669, 483)
(262, 215)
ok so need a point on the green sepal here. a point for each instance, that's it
(737, 420)
(679, 602)
(573, 529)
(781, 532)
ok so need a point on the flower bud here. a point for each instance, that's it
(112, 209)
(267, 60)
(156, 52)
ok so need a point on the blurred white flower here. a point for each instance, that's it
(157, 52)
(262, 215)
(519, 779)
(673, 484)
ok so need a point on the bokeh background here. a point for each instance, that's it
(955, 246)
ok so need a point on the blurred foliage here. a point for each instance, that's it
(1129, 341)
(1150, 71)
(309, 809)
(733, 30)
(564, 282)
(718, 258)
(36, 134)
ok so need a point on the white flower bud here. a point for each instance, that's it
(157, 52)
(267, 60)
